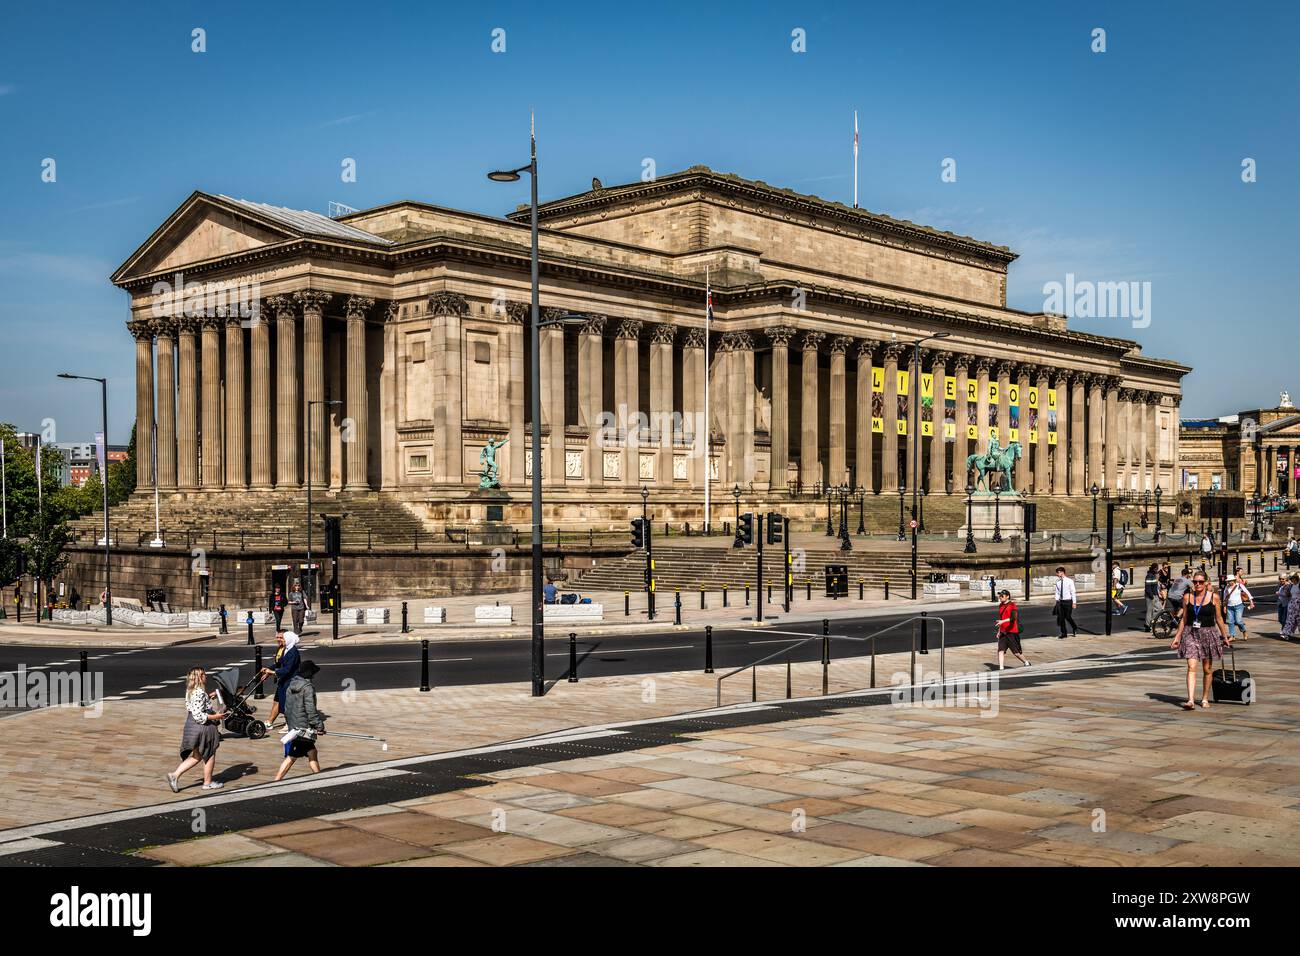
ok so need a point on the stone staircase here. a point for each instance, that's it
(258, 520)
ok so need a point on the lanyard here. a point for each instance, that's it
(1196, 610)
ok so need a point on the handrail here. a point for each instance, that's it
(826, 637)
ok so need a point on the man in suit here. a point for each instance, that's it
(1067, 600)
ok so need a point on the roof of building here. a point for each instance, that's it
(309, 223)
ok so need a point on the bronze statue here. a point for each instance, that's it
(489, 477)
(995, 460)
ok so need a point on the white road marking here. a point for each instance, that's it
(409, 660)
(630, 650)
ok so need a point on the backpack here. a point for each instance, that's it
(1123, 577)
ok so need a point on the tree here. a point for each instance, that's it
(46, 552)
(11, 553)
(20, 482)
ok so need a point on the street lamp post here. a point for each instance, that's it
(735, 494)
(1146, 509)
(924, 493)
(997, 514)
(830, 530)
(108, 577)
(1094, 491)
(901, 491)
(1158, 494)
(970, 527)
(311, 575)
(862, 503)
(846, 543)
(1257, 502)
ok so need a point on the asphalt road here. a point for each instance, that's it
(160, 672)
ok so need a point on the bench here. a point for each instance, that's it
(494, 614)
(573, 613)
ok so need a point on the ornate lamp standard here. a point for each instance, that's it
(970, 528)
(1257, 502)
(830, 530)
(1094, 490)
(862, 501)
(735, 494)
(924, 493)
(997, 514)
(1146, 511)
(846, 543)
(902, 536)
(1159, 492)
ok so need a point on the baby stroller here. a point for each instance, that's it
(239, 713)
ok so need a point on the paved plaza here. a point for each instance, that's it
(1082, 759)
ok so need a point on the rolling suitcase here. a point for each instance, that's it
(1232, 685)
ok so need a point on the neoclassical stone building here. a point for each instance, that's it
(1256, 451)
(411, 317)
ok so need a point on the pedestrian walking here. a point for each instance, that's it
(200, 738)
(1067, 601)
(1283, 598)
(1118, 578)
(305, 722)
(1237, 600)
(1207, 548)
(298, 606)
(1292, 555)
(1177, 588)
(1293, 607)
(222, 612)
(277, 607)
(1008, 630)
(1200, 637)
(287, 661)
(1151, 591)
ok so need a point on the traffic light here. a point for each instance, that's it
(745, 529)
(640, 533)
(332, 535)
(1030, 517)
(775, 528)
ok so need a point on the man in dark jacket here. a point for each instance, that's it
(304, 720)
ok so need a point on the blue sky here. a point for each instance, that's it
(1115, 166)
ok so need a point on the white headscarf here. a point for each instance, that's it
(290, 639)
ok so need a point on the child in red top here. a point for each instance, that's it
(1008, 630)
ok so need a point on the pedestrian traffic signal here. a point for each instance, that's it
(640, 533)
(775, 528)
(333, 535)
(745, 529)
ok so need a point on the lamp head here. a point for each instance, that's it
(504, 176)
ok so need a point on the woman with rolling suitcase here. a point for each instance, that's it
(1201, 637)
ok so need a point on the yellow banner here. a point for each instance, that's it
(927, 385)
(877, 379)
(902, 383)
(993, 431)
(993, 393)
(1014, 434)
(950, 387)
(1051, 399)
(927, 427)
(1051, 438)
(1033, 436)
(973, 432)
(1033, 397)
(949, 430)
(878, 426)
(902, 426)
(972, 390)
(1013, 394)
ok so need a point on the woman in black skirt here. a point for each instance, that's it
(1202, 635)
(201, 738)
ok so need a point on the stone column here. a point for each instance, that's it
(591, 389)
(809, 451)
(286, 393)
(938, 483)
(839, 473)
(982, 367)
(961, 447)
(740, 398)
(862, 447)
(356, 437)
(1004, 371)
(1110, 387)
(1261, 468)
(912, 444)
(693, 404)
(627, 371)
(1042, 450)
(551, 348)
(447, 311)
(1153, 440)
(1140, 410)
(1078, 439)
(889, 479)
(236, 394)
(1096, 415)
(1127, 472)
(1061, 458)
(142, 331)
(187, 418)
(661, 401)
(213, 475)
(779, 463)
(260, 413)
(516, 393)
(1025, 464)
(313, 378)
(166, 407)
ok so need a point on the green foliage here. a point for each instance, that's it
(46, 551)
(10, 550)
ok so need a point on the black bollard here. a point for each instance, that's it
(886, 589)
(861, 588)
(258, 694)
(251, 642)
(925, 636)
(769, 592)
(677, 605)
(724, 596)
(826, 626)
(746, 595)
(573, 658)
(405, 628)
(809, 584)
(424, 665)
(83, 678)
(708, 648)
(627, 603)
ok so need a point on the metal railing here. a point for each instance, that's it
(922, 619)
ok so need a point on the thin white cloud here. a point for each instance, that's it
(42, 265)
(107, 204)
(343, 120)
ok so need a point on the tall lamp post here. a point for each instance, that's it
(862, 501)
(735, 494)
(916, 441)
(311, 573)
(1094, 491)
(108, 578)
(970, 527)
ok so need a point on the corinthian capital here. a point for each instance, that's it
(663, 334)
(840, 344)
(812, 341)
(142, 330)
(781, 335)
(448, 303)
(517, 312)
(280, 305)
(357, 306)
(312, 300)
(629, 329)
(737, 341)
(694, 339)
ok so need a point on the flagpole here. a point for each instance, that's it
(855, 159)
(708, 432)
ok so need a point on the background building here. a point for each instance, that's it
(1255, 451)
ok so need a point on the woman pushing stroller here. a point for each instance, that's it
(287, 661)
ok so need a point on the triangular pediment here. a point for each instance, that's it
(202, 229)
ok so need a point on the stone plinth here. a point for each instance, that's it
(1006, 512)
